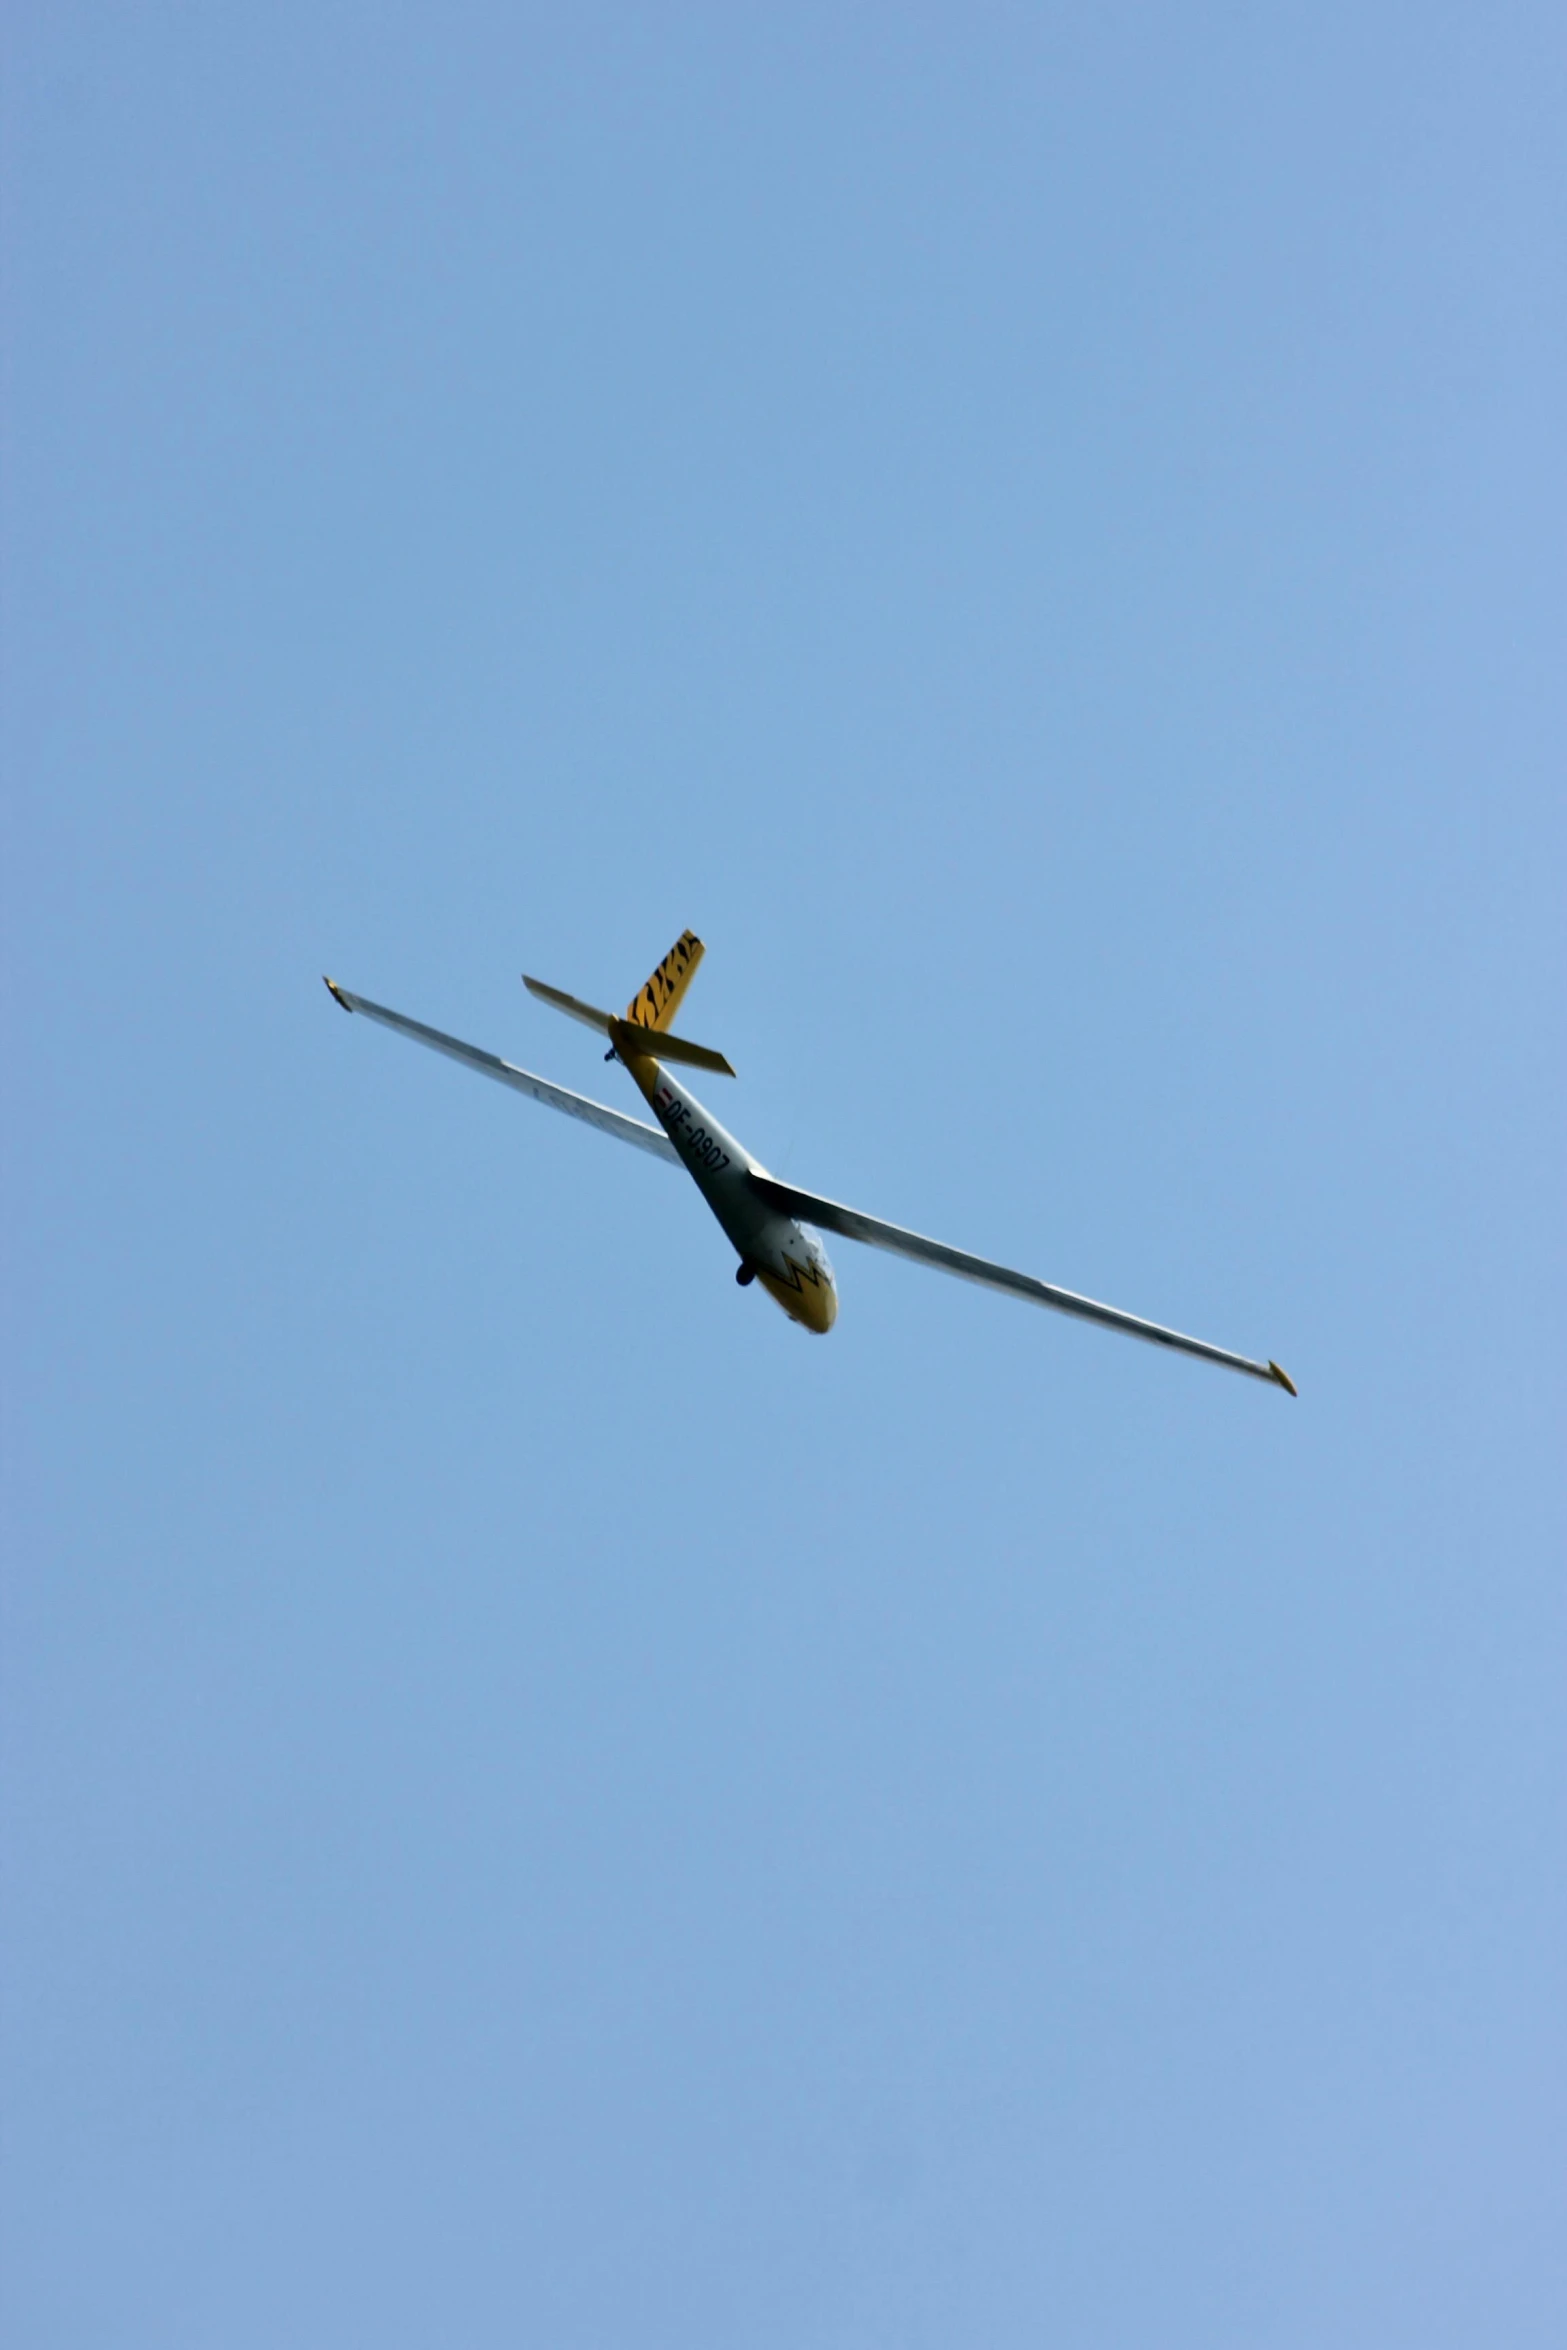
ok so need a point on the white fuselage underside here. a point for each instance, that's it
(787, 1257)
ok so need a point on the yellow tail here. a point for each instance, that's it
(655, 1005)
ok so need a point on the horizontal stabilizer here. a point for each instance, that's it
(573, 1006)
(637, 1037)
(630, 1038)
(538, 1089)
(850, 1224)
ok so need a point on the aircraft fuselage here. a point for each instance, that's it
(787, 1258)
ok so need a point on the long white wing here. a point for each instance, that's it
(554, 1097)
(851, 1225)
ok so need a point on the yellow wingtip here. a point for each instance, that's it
(336, 992)
(1283, 1378)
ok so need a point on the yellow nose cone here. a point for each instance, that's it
(823, 1309)
(808, 1298)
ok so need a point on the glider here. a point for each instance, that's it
(773, 1226)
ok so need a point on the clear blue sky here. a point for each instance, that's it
(541, 1804)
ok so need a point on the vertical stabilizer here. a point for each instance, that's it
(655, 1005)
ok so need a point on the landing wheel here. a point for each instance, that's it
(745, 1274)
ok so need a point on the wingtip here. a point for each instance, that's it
(336, 992)
(1283, 1378)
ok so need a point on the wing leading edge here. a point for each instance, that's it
(554, 1097)
(850, 1224)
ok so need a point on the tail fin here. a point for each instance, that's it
(655, 1005)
